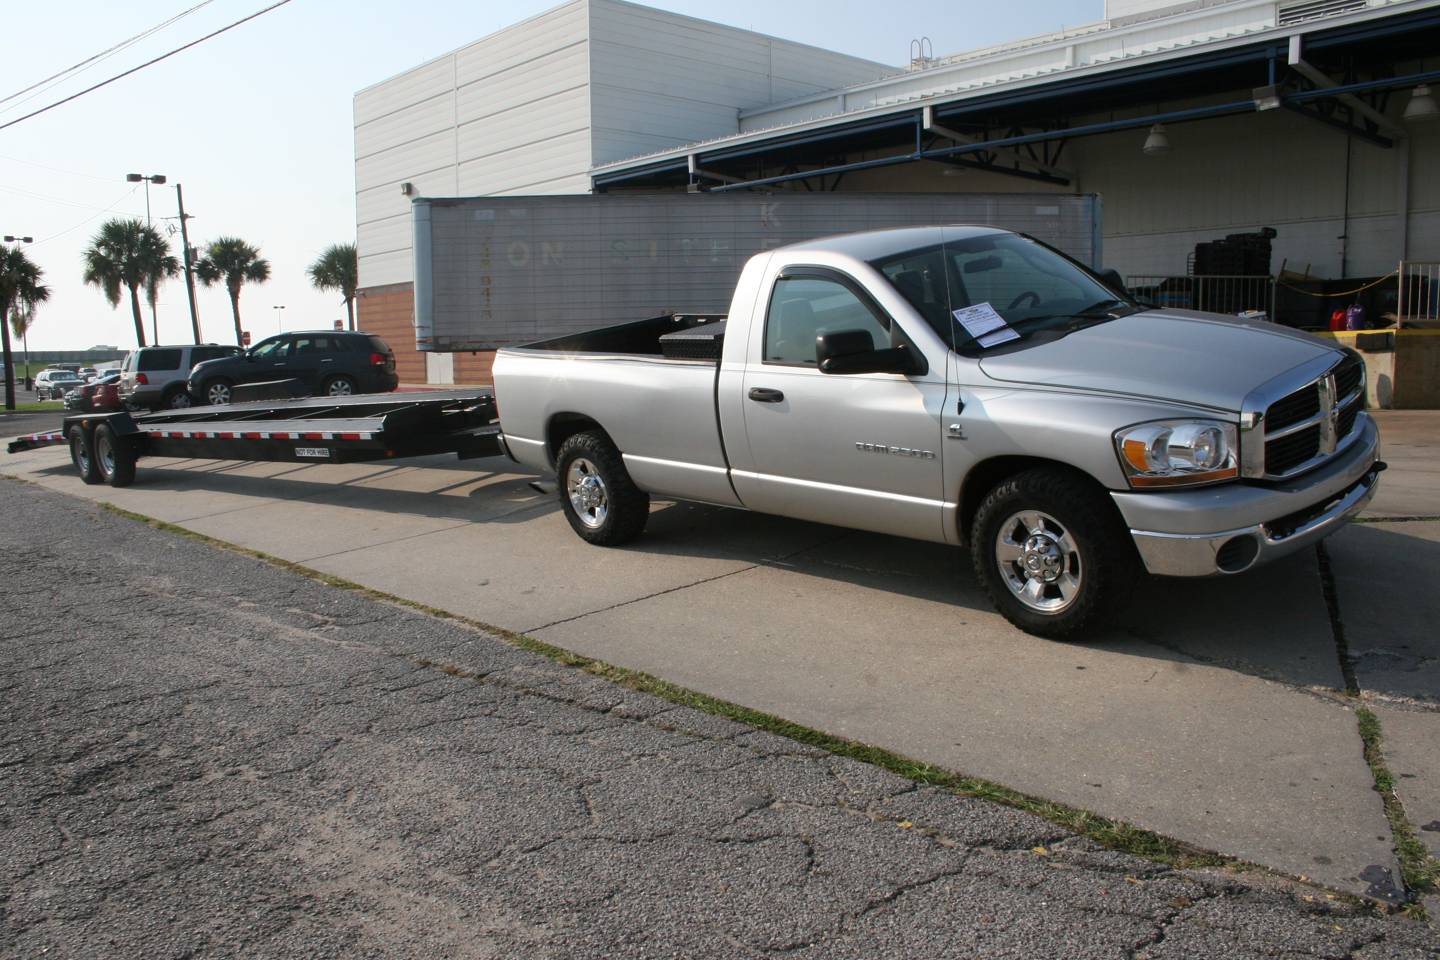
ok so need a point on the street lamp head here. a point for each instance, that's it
(133, 178)
(10, 239)
(158, 179)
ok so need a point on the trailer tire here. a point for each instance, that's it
(597, 495)
(113, 457)
(1052, 554)
(83, 457)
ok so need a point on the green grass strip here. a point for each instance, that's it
(35, 408)
(1419, 870)
(1112, 834)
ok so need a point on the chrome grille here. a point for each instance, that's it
(1287, 453)
(1307, 426)
(1300, 405)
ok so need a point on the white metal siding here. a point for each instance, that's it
(659, 79)
(506, 113)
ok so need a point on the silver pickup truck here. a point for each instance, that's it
(963, 385)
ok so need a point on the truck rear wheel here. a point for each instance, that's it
(600, 500)
(1051, 553)
(82, 457)
(114, 457)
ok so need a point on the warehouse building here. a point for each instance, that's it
(1309, 120)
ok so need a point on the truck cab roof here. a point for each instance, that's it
(876, 244)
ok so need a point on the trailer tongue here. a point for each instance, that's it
(105, 446)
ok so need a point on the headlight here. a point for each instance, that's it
(1178, 453)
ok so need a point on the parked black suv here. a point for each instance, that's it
(330, 362)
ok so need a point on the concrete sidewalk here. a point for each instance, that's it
(1211, 713)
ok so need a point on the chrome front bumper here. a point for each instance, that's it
(1235, 551)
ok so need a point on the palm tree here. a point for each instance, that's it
(234, 261)
(126, 254)
(20, 291)
(338, 268)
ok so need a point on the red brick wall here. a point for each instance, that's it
(389, 312)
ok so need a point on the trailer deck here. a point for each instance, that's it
(105, 446)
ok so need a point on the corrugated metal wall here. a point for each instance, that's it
(517, 269)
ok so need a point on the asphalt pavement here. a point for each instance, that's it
(204, 755)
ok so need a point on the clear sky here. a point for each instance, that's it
(256, 124)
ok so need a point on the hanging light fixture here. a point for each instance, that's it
(1422, 105)
(1158, 143)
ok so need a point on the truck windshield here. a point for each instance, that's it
(1029, 285)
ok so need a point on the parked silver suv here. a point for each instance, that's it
(154, 377)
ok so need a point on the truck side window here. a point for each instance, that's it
(802, 308)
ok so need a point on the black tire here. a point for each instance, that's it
(113, 457)
(83, 458)
(216, 392)
(176, 398)
(339, 386)
(601, 502)
(1052, 554)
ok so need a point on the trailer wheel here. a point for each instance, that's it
(600, 500)
(1051, 553)
(82, 457)
(113, 457)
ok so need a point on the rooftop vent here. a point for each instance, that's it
(1307, 10)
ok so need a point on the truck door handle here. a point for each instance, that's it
(766, 395)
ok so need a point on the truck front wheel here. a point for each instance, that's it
(600, 500)
(1051, 553)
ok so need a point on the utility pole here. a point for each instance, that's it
(157, 179)
(189, 269)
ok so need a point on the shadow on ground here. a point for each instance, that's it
(1272, 622)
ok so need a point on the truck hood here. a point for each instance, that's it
(1179, 355)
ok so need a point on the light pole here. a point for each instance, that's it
(24, 337)
(157, 179)
(279, 326)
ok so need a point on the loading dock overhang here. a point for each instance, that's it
(1341, 77)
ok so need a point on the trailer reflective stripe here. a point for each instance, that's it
(229, 435)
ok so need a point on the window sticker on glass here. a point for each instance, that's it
(987, 327)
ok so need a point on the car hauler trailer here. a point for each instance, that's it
(105, 446)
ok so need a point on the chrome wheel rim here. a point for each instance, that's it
(106, 453)
(341, 388)
(82, 458)
(219, 393)
(180, 400)
(1039, 561)
(586, 490)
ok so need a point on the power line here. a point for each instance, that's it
(47, 198)
(103, 54)
(70, 173)
(148, 63)
(127, 195)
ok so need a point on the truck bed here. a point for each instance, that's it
(650, 385)
(675, 336)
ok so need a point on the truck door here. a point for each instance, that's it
(856, 450)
